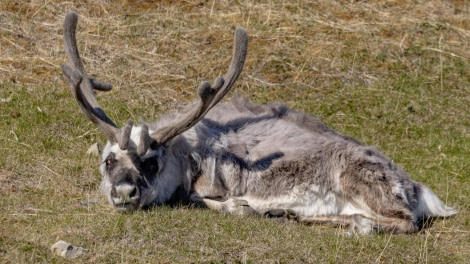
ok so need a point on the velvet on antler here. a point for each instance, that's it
(209, 95)
(82, 88)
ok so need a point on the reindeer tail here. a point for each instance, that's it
(431, 206)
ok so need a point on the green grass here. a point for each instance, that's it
(392, 74)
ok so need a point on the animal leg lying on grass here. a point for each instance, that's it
(231, 205)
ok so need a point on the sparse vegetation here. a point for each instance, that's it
(395, 74)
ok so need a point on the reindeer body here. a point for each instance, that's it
(244, 158)
(270, 160)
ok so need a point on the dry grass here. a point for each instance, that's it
(395, 74)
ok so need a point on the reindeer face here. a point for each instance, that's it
(128, 179)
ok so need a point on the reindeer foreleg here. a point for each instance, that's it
(232, 206)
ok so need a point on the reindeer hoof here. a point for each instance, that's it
(275, 213)
(281, 213)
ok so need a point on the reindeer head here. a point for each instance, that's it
(133, 156)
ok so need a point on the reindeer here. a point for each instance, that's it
(243, 158)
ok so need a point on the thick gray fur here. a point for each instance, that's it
(244, 158)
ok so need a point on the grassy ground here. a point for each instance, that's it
(394, 74)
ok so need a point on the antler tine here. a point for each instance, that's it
(145, 141)
(70, 25)
(209, 96)
(101, 86)
(83, 93)
(240, 47)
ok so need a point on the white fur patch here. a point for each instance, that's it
(124, 191)
(311, 203)
(431, 205)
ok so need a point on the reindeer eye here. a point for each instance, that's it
(109, 162)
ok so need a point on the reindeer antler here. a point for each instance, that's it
(209, 95)
(83, 89)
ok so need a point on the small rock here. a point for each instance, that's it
(66, 250)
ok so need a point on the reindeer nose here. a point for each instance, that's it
(125, 196)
